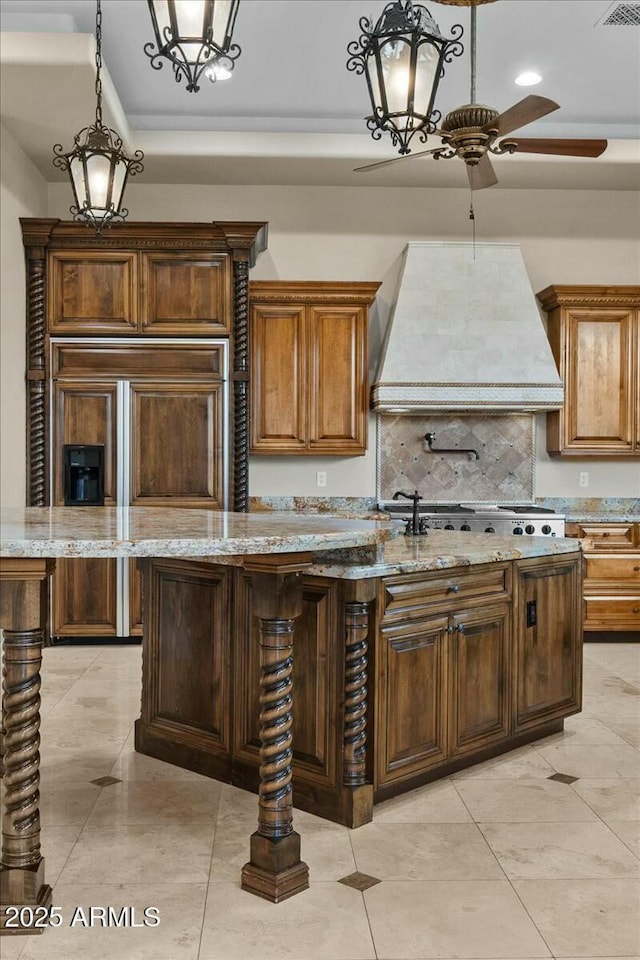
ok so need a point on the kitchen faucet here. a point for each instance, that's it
(415, 526)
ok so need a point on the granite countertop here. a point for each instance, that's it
(595, 509)
(439, 550)
(169, 532)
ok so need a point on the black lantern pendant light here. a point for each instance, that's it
(195, 36)
(402, 58)
(97, 167)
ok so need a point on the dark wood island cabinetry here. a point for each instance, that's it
(399, 677)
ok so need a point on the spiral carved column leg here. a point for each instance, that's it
(275, 870)
(355, 702)
(22, 866)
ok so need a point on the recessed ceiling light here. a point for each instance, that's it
(528, 79)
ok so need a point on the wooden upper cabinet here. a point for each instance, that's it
(93, 292)
(186, 293)
(103, 292)
(309, 390)
(594, 334)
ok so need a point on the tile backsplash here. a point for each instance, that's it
(504, 472)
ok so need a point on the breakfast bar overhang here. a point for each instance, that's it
(274, 549)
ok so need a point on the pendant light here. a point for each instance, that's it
(97, 167)
(195, 37)
(403, 58)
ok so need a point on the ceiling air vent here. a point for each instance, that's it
(624, 14)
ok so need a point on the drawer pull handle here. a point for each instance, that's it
(636, 569)
(605, 534)
(453, 588)
(461, 628)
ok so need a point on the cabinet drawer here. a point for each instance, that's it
(608, 536)
(622, 613)
(618, 571)
(405, 596)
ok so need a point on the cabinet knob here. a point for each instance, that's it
(461, 628)
(636, 569)
(605, 533)
(636, 610)
(453, 588)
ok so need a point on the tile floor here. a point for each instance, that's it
(498, 861)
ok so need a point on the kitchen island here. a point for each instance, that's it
(272, 550)
(434, 653)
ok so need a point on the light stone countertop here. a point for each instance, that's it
(174, 532)
(441, 550)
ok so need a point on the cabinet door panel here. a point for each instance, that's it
(278, 379)
(411, 734)
(84, 598)
(338, 388)
(176, 445)
(93, 292)
(549, 640)
(186, 294)
(85, 413)
(186, 673)
(480, 688)
(599, 406)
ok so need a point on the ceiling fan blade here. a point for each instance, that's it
(563, 148)
(384, 163)
(521, 113)
(481, 174)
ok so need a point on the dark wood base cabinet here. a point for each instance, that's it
(397, 681)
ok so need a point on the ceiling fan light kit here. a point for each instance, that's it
(97, 166)
(195, 36)
(402, 58)
(472, 132)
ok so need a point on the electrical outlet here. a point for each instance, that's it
(321, 479)
(584, 479)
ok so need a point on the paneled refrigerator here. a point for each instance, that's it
(160, 410)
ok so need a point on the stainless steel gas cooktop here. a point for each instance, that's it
(523, 519)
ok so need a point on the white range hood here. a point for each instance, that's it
(465, 334)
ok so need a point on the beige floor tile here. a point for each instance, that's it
(437, 802)
(583, 730)
(480, 919)
(611, 799)
(85, 761)
(557, 850)
(425, 851)
(611, 705)
(629, 730)
(80, 728)
(326, 848)
(629, 833)
(593, 762)
(606, 684)
(66, 803)
(11, 948)
(522, 764)
(508, 801)
(136, 766)
(177, 937)
(137, 853)
(585, 918)
(326, 922)
(172, 801)
(56, 846)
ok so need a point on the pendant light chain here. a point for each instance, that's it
(98, 86)
(97, 165)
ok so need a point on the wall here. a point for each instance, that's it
(338, 233)
(23, 193)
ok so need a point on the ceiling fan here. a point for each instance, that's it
(474, 131)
